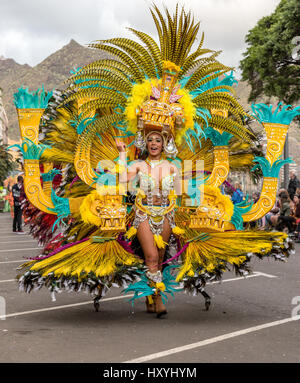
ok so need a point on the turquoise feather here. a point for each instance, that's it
(267, 169)
(193, 188)
(103, 178)
(30, 150)
(61, 208)
(239, 209)
(142, 289)
(81, 125)
(217, 138)
(49, 176)
(227, 80)
(284, 116)
(23, 99)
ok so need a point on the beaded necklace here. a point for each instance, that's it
(154, 163)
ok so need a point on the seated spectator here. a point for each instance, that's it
(271, 218)
(297, 216)
(285, 219)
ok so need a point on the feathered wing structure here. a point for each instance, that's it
(114, 86)
(104, 101)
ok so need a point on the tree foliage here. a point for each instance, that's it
(269, 66)
(7, 163)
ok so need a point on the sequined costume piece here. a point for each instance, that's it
(147, 210)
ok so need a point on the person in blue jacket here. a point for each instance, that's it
(237, 195)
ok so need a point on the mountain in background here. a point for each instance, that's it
(55, 69)
(51, 73)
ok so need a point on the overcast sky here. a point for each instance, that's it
(30, 30)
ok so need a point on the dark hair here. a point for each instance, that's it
(283, 194)
(142, 155)
(20, 178)
(284, 197)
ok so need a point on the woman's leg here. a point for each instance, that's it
(160, 307)
(145, 237)
(153, 258)
(150, 251)
(166, 233)
(153, 255)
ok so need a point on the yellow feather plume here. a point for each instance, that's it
(77, 261)
(140, 93)
(85, 209)
(220, 199)
(189, 109)
(160, 243)
(178, 231)
(229, 247)
(131, 232)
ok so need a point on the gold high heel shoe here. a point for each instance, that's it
(156, 280)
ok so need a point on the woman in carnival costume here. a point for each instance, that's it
(179, 107)
(155, 200)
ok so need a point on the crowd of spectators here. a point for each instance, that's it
(285, 214)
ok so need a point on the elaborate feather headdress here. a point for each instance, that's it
(147, 86)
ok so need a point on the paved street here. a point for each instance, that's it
(249, 319)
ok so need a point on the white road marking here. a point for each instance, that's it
(28, 240)
(255, 274)
(28, 248)
(15, 236)
(216, 339)
(62, 307)
(18, 261)
(8, 280)
(267, 275)
(8, 232)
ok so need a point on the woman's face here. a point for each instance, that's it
(154, 144)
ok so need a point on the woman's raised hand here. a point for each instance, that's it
(121, 146)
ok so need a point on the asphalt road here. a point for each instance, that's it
(250, 319)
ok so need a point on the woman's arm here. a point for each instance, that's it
(126, 172)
